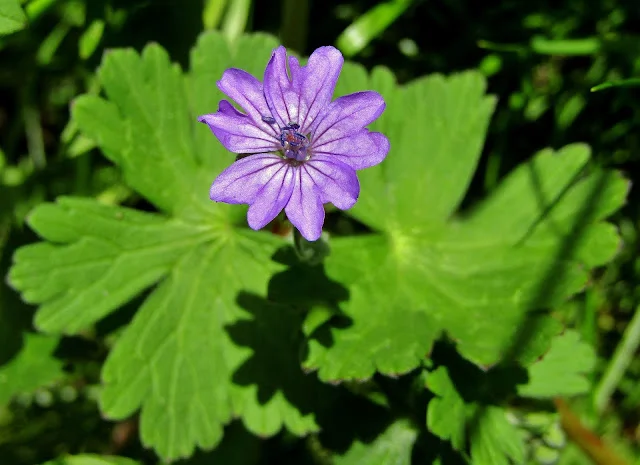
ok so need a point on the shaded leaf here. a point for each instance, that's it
(393, 447)
(447, 412)
(562, 371)
(495, 441)
(33, 367)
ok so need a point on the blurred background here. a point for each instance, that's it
(541, 59)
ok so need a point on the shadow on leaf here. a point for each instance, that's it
(565, 256)
(302, 302)
(273, 334)
(275, 337)
(309, 289)
(490, 387)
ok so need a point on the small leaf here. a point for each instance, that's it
(393, 447)
(562, 371)
(212, 13)
(12, 18)
(447, 412)
(569, 110)
(90, 38)
(370, 25)
(50, 45)
(566, 47)
(33, 367)
(495, 441)
(91, 459)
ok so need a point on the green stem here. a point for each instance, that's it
(37, 8)
(621, 359)
(35, 139)
(212, 13)
(236, 19)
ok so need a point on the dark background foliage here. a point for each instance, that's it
(541, 59)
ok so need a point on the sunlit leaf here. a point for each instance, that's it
(12, 18)
(178, 360)
(562, 371)
(474, 274)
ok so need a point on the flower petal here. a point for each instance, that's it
(300, 98)
(281, 98)
(243, 180)
(360, 150)
(246, 91)
(272, 198)
(347, 115)
(238, 132)
(315, 82)
(336, 181)
(305, 210)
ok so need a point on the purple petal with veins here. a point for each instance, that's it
(303, 148)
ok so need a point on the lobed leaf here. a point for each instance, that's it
(392, 447)
(179, 360)
(562, 371)
(447, 412)
(492, 438)
(474, 274)
(33, 367)
(204, 347)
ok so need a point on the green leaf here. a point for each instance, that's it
(370, 25)
(91, 459)
(622, 83)
(475, 274)
(563, 370)
(212, 13)
(393, 447)
(177, 360)
(90, 38)
(33, 367)
(109, 255)
(447, 412)
(566, 47)
(26, 359)
(495, 441)
(12, 18)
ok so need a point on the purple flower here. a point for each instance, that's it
(304, 149)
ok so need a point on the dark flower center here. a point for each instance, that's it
(294, 145)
